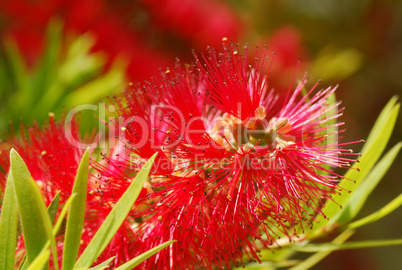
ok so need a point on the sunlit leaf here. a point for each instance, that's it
(53, 206)
(349, 245)
(268, 265)
(378, 126)
(360, 195)
(139, 259)
(335, 64)
(394, 204)
(383, 128)
(75, 220)
(316, 258)
(8, 226)
(35, 219)
(40, 261)
(103, 265)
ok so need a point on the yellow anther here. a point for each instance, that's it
(260, 112)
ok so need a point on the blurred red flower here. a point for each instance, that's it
(115, 27)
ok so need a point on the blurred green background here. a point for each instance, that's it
(57, 54)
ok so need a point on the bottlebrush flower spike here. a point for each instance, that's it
(246, 165)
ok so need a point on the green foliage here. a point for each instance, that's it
(39, 234)
(8, 226)
(394, 204)
(335, 64)
(75, 220)
(35, 219)
(62, 78)
(53, 206)
(371, 152)
(40, 261)
(350, 245)
(137, 260)
(315, 258)
(360, 195)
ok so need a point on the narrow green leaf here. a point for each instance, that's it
(394, 204)
(350, 245)
(382, 118)
(40, 261)
(63, 213)
(103, 265)
(18, 66)
(331, 127)
(115, 218)
(96, 89)
(8, 226)
(316, 258)
(75, 220)
(367, 161)
(360, 195)
(268, 265)
(45, 68)
(53, 206)
(56, 228)
(35, 220)
(52, 210)
(139, 259)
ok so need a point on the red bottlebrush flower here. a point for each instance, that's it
(201, 23)
(41, 151)
(287, 45)
(27, 21)
(245, 164)
(123, 33)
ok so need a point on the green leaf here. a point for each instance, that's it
(383, 129)
(350, 245)
(35, 220)
(18, 66)
(45, 70)
(330, 127)
(52, 210)
(394, 204)
(63, 213)
(376, 130)
(115, 218)
(8, 226)
(268, 265)
(56, 228)
(139, 259)
(53, 206)
(75, 220)
(40, 261)
(316, 258)
(96, 89)
(103, 265)
(360, 195)
(332, 63)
